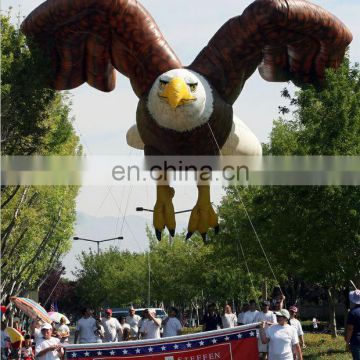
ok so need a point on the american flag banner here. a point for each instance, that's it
(228, 344)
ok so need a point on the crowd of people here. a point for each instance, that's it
(46, 341)
(280, 332)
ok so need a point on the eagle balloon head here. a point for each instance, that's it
(180, 100)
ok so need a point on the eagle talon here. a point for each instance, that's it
(203, 216)
(158, 234)
(164, 214)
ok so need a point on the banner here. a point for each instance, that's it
(227, 344)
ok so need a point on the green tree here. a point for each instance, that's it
(112, 278)
(311, 232)
(37, 221)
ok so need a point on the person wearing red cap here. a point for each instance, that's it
(112, 327)
(293, 310)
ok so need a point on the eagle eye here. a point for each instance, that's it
(162, 84)
(193, 87)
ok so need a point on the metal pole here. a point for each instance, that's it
(61, 272)
(98, 247)
(149, 278)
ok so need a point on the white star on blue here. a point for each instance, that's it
(158, 348)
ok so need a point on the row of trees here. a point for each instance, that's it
(308, 234)
(37, 221)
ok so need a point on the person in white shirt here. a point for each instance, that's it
(229, 319)
(112, 327)
(244, 309)
(85, 328)
(63, 331)
(282, 338)
(133, 320)
(150, 328)
(125, 327)
(172, 326)
(35, 330)
(293, 310)
(49, 347)
(99, 332)
(267, 316)
(249, 316)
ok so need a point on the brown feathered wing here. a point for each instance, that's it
(87, 39)
(286, 39)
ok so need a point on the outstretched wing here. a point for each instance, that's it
(87, 39)
(287, 39)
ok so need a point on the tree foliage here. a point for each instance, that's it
(182, 273)
(37, 221)
(313, 232)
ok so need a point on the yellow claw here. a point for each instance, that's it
(203, 216)
(164, 214)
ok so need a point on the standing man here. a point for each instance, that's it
(85, 328)
(244, 309)
(267, 316)
(282, 338)
(172, 325)
(211, 320)
(150, 328)
(112, 327)
(133, 320)
(35, 330)
(49, 347)
(229, 319)
(249, 316)
(293, 310)
(352, 332)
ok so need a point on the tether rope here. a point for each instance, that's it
(251, 223)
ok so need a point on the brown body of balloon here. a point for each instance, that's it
(87, 40)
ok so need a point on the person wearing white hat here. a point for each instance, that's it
(49, 347)
(282, 338)
(352, 332)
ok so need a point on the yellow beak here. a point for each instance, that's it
(177, 93)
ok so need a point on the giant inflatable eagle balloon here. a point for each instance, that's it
(186, 110)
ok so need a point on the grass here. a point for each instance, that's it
(323, 346)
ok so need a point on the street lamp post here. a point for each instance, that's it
(98, 241)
